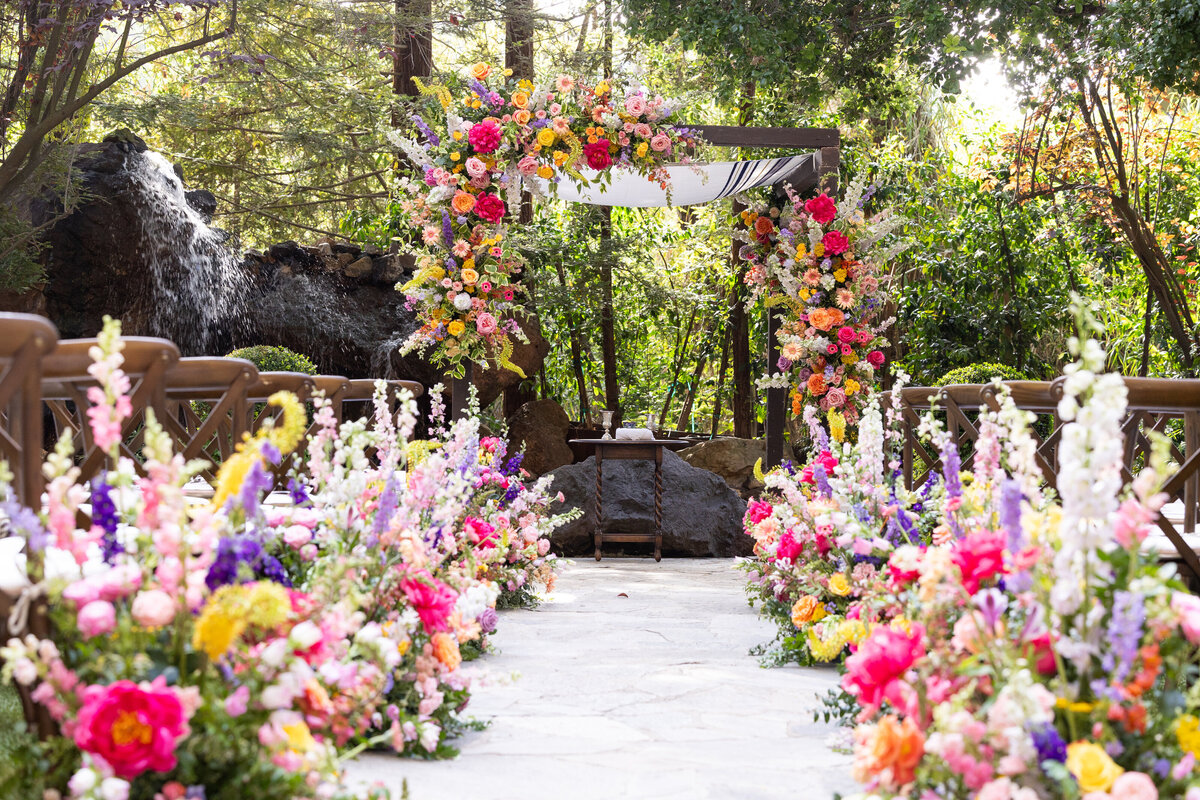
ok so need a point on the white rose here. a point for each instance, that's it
(114, 789)
(82, 781)
(276, 697)
(462, 301)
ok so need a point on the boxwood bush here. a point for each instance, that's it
(272, 358)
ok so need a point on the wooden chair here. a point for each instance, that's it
(65, 381)
(257, 395)
(25, 340)
(334, 388)
(221, 384)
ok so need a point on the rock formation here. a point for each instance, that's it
(540, 429)
(702, 515)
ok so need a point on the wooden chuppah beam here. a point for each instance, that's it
(737, 136)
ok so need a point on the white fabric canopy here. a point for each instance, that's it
(690, 184)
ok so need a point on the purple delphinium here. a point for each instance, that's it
(298, 492)
(951, 466)
(25, 522)
(513, 465)
(425, 130)
(1048, 743)
(257, 481)
(447, 230)
(822, 480)
(271, 568)
(1010, 514)
(104, 516)
(271, 453)
(232, 552)
(387, 506)
(1125, 629)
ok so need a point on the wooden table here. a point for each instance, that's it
(634, 450)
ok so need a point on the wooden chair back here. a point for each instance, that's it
(359, 400)
(25, 339)
(207, 406)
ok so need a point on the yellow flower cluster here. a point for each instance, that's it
(828, 646)
(231, 609)
(837, 425)
(284, 436)
(1188, 732)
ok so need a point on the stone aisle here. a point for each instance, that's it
(633, 681)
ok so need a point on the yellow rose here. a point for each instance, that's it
(469, 275)
(642, 149)
(545, 137)
(839, 585)
(545, 171)
(852, 386)
(456, 328)
(455, 156)
(1092, 767)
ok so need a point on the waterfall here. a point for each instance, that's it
(197, 291)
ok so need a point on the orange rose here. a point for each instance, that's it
(445, 650)
(462, 202)
(807, 609)
(520, 99)
(892, 744)
(763, 226)
(522, 117)
(816, 384)
(480, 70)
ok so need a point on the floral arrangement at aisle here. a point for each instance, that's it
(1029, 650)
(233, 648)
(822, 261)
(493, 136)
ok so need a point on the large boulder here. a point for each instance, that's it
(702, 515)
(732, 459)
(540, 428)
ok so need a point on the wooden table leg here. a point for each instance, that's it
(596, 534)
(658, 458)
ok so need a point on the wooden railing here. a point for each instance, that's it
(1163, 405)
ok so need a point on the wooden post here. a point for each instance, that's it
(827, 172)
(776, 397)
(460, 393)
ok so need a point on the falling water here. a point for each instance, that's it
(198, 290)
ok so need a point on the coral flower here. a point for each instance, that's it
(763, 226)
(889, 750)
(520, 99)
(133, 728)
(564, 83)
(445, 650)
(480, 70)
(807, 609)
(816, 384)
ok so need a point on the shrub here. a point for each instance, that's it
(271, 358)
(981, 373)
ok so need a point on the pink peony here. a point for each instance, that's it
(757, 511)
(979, 556)
(296, 536)
(484, 136)
(153, 608)
(1187, 607)
(597, 155)
(133, 728)
(476, 168)
(821, 208)
(432, 599)
(835, 243)
(1133, 786)
(874, 672)
(788, 547)
(846, 334)
(481, 534)
(485, 323)
(489, 207)
(875, 358)
(96, 619)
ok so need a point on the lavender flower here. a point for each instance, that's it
(104, 516)
(387, 506)
(24, 522)
(425, 130)
(951, 466)
(257, 481)
(822, 480)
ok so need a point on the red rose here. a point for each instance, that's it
(835, 243)
(821, 208)
(133, 728)
(597, 155)
(875, 358)
(489, 207)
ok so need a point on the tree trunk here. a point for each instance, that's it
(585, 407)
(412, 50)
(608, 334)
(716, 417)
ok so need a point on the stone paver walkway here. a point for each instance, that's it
(633, 681)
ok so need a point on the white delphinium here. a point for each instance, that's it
(415, 152)
(871, 445)
(1089, 478)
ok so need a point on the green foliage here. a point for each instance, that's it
(271, 358)
(19, 266)
(980, 373)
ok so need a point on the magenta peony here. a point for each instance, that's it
(874, 672)
(835, 243)
(489, 207)
(484, 136)
(979, 556)
(597, 155)
(826, 460)
(821, 208)
(788, 547)
(481, 533)
(133, 728)
(757, 511)
(432, 600)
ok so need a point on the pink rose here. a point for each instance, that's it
(979, 556)
(96, 618)
(1133, 786)
(543, 546)
(635, 104)
(475, 167)
(874, 672)
(528, 166)
(643, 130)
(835, 243)
(133, 728)
(875, 358)
(296, 536)
(836, 397)
(661, 143)
(485, 323)
(153, 608)
(1187, 608)
(821, 208)
(484, 136)
(846, 334)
